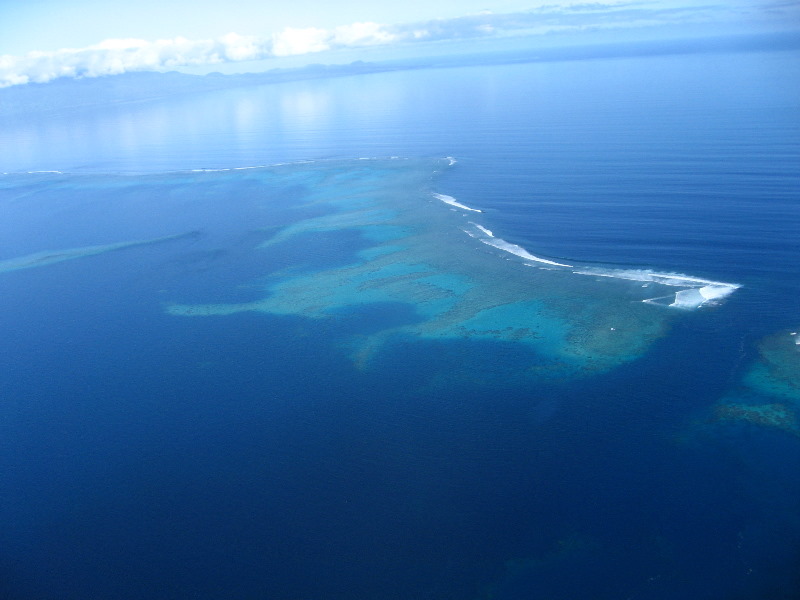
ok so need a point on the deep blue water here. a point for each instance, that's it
(149, 456)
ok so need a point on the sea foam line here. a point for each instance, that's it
(696, 292)
(246, 167)
(453, 202)
(487, 237)
(501, 244)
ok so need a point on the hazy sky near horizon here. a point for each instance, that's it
(45, 39)
(54, 24)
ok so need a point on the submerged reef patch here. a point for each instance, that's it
(770, 396)
(414, 252)
(777, 415)
(45, 258)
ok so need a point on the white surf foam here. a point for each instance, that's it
(483, 229)
(697, 292)
(501, 244)
(697, 297)
(232, 168)
(453, 202)
(485, 235)
(648, 275)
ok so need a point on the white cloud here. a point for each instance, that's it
(116, 56)
(292, 41)
(121, 44)
(235, 47)
(363, 34)
(112, 57)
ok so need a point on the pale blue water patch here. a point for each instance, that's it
(454, 283)
(393, 270)
(527, 315)
(377, 251)
(384, 233)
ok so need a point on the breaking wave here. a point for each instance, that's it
(484, 235)
(453, 202)
(696, 292)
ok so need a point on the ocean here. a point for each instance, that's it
(522, 331)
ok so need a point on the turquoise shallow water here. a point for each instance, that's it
(320, 380)
(422, 252)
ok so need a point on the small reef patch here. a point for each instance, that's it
(45, 258)
(770, 394)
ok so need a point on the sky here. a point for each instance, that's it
(41, 40)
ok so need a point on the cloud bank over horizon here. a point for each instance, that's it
(117, 56)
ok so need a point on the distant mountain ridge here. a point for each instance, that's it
(143, 86)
